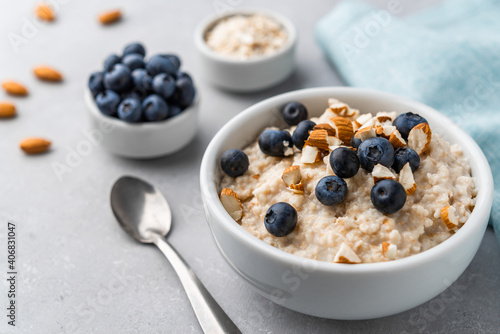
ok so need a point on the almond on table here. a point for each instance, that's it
(110, 16)
(35, 145)
(47, 73)
(44, 12)
(7, 110)
(14, 88)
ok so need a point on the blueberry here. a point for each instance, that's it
(402, 156)
(174, 111)
(142, 80)
(130, 110)
(107, 102)
(181, 75)
(158, 64)
(344, 162)
(234, 162)
(294, 113)
(154, 108)
(281, 219)
(95, 83)
(134, 48)
(275, 142)
(184, 93)
(164, 85)
(301, 133)
(388, 196)
(111, 61)
(405, 122)
(118, 78)
(374, 151)
(133, 61)
(134, 94)
(174, 59)
(331, 190)
(355, 142)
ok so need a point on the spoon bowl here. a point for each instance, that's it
(130, 197)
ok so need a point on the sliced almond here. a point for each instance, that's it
(319, 139)
(396, 139)
(310, 155)
(14, 88)
(110, 16)
(231, 202)
(420, 137)
(34, 145)
(365, 133)
(362, 119)
(448, 214)
(297, 188)
(7, 110)
(389, 250)
(346, 255)
(47, 73)
(380, 172)
(344, 129)
(407, 180)
(291, 175)
(325, 126)
(44, 12)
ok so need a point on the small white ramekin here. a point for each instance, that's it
(143, 140)
(251, 74)
(334, 290)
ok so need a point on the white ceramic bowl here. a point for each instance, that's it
(332, 290)
(143, 140)
(246, 75)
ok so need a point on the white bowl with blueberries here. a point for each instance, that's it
(143, 107)
(338, 290)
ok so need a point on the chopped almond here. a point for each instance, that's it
(343, 127)
(420, 137)
(396, 139)
(319, 139)
(327, 127)
(448, 214)
(365, 133)
(291, 175)
(407, 180)
(380, 172)
(389, 250)
(346, 255)
(231, 202)
(310, 155)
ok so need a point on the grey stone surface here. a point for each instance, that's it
(78, 271)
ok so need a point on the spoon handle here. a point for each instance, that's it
(211, 316)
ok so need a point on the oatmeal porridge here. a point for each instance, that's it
(405, 197)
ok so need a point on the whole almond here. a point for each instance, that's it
(7, 110)
(110, 16)
(46, 73)
(34, 145)
(44, 12)
(14, 88)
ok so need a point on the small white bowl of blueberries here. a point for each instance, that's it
(142, 107)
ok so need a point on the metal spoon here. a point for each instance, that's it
(144, 213)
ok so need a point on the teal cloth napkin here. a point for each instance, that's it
(447, 56)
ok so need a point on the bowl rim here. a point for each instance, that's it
(483, 179)
(209, 22)
(139, 126)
